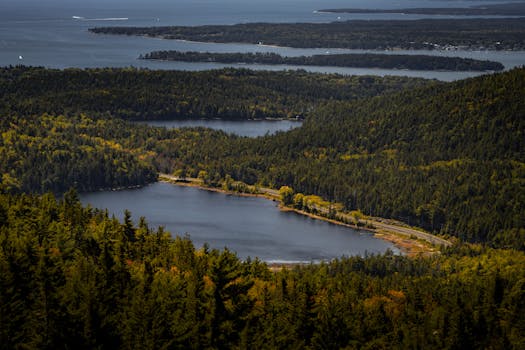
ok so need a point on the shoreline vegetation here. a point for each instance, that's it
(507, 9)
(427, 34)
(74, 277)
(366, 60)
(410, 241)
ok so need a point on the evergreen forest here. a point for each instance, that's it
(72, 277)
(446, 157)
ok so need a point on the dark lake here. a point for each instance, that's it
(250, 226)
(250, 128)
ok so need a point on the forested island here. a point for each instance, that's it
(507, 9)
(414, 62)
(471, 34)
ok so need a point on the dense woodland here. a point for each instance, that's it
(63, 129)
(414, 62)
(506, 9)
(446, 157)
(71, 277)
(493, 34)
(49, 153)
(142, 94)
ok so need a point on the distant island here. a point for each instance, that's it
(413, 62)
(507, 9)
(439, 34)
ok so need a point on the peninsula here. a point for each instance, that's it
(429, 34)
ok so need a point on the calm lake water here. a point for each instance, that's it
(252, 227)
(250, 128)
(44, 33)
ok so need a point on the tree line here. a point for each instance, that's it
(72, 277)
(54, 153)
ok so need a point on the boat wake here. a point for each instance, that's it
(79, 18)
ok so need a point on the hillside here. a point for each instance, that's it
(445, 157)
(71, 277)
(147, 94)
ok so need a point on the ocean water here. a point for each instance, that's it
(197, 12)
(54, 33)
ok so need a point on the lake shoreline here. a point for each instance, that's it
(407, 243)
